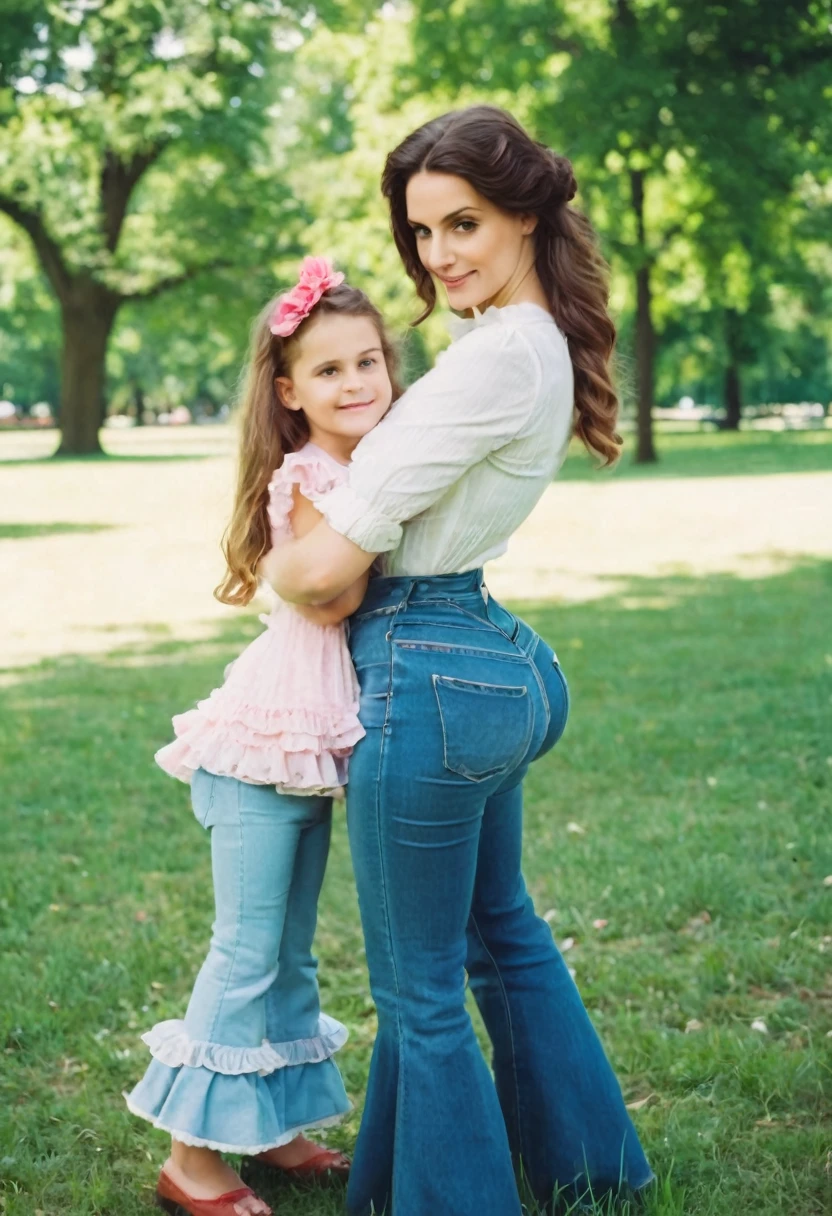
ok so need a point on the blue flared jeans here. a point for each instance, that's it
(458, 697)
(251, 1064)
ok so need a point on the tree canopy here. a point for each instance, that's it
(163, 166)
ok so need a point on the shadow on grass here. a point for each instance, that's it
(696, 772)
(714, 454)
(27, 531)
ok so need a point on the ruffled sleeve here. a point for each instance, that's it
(314, 476)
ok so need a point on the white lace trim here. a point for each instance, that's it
(246, 1150)
(170, 1043)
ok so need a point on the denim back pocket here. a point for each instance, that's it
(486, 728)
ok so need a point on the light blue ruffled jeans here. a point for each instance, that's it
(250, 1066)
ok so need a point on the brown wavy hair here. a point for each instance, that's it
(268, 430)
(490, 149)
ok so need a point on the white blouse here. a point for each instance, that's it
(459, 462)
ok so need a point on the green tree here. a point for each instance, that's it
(647, 96)
(29, 326)
(132, 154)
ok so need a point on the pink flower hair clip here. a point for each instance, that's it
(316, 276)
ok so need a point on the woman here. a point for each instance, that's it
(458, 696)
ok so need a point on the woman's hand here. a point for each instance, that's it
(316, 569)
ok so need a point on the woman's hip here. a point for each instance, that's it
(457, 686)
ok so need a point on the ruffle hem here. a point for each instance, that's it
(220, 1102)
(171, 1043)
(297, 750)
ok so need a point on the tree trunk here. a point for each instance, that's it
(87, 323)
(733, 397)
(138, 403)
(731, 390)
(645, 353)
(645, 334)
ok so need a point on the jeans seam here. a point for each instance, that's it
(239, 924)
(400, 1086)
(477, 652)
(389, 610)
(565, 686)
(474, 624)
(493, 624)
(510, 691)
(543, 694)
(507, 1008)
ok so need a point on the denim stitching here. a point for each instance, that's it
(543, 694)
(466, 773)
(529, 649)
(477, 651)
(565, 687)
(239, 916)
(474, 624)
(507, 1008)
(401, 1094)
(366, 616)
(493, 624)
(504, 690)
(203, 820)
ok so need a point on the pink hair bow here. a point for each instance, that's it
(316, 276)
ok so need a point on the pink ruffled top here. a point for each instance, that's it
(287, 714)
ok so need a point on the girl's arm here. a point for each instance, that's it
(338, 607)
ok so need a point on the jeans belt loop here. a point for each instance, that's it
(400, 607)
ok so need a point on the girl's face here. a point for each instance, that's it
(340, 381)
(478, 252)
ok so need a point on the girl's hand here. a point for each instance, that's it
(340, 608)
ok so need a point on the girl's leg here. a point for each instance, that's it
(293, 1009)
(563, 1108)
(216, 1081)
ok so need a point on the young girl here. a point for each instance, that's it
(250, 1067)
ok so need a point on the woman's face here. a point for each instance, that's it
(477, 251)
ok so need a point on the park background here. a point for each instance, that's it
(164, 165)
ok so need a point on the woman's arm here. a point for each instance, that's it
(478, 398)
(317, 570)
(338, 602)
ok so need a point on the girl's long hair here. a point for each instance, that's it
(268, 430)
(491, 150)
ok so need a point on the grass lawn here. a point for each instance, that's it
(706, 453)
(715, 454)
(688, 806)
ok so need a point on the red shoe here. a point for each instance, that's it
(171, 1199)
(327, 1163)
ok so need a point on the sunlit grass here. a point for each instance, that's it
(29, 531)
(688, 806)
(715, 454)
